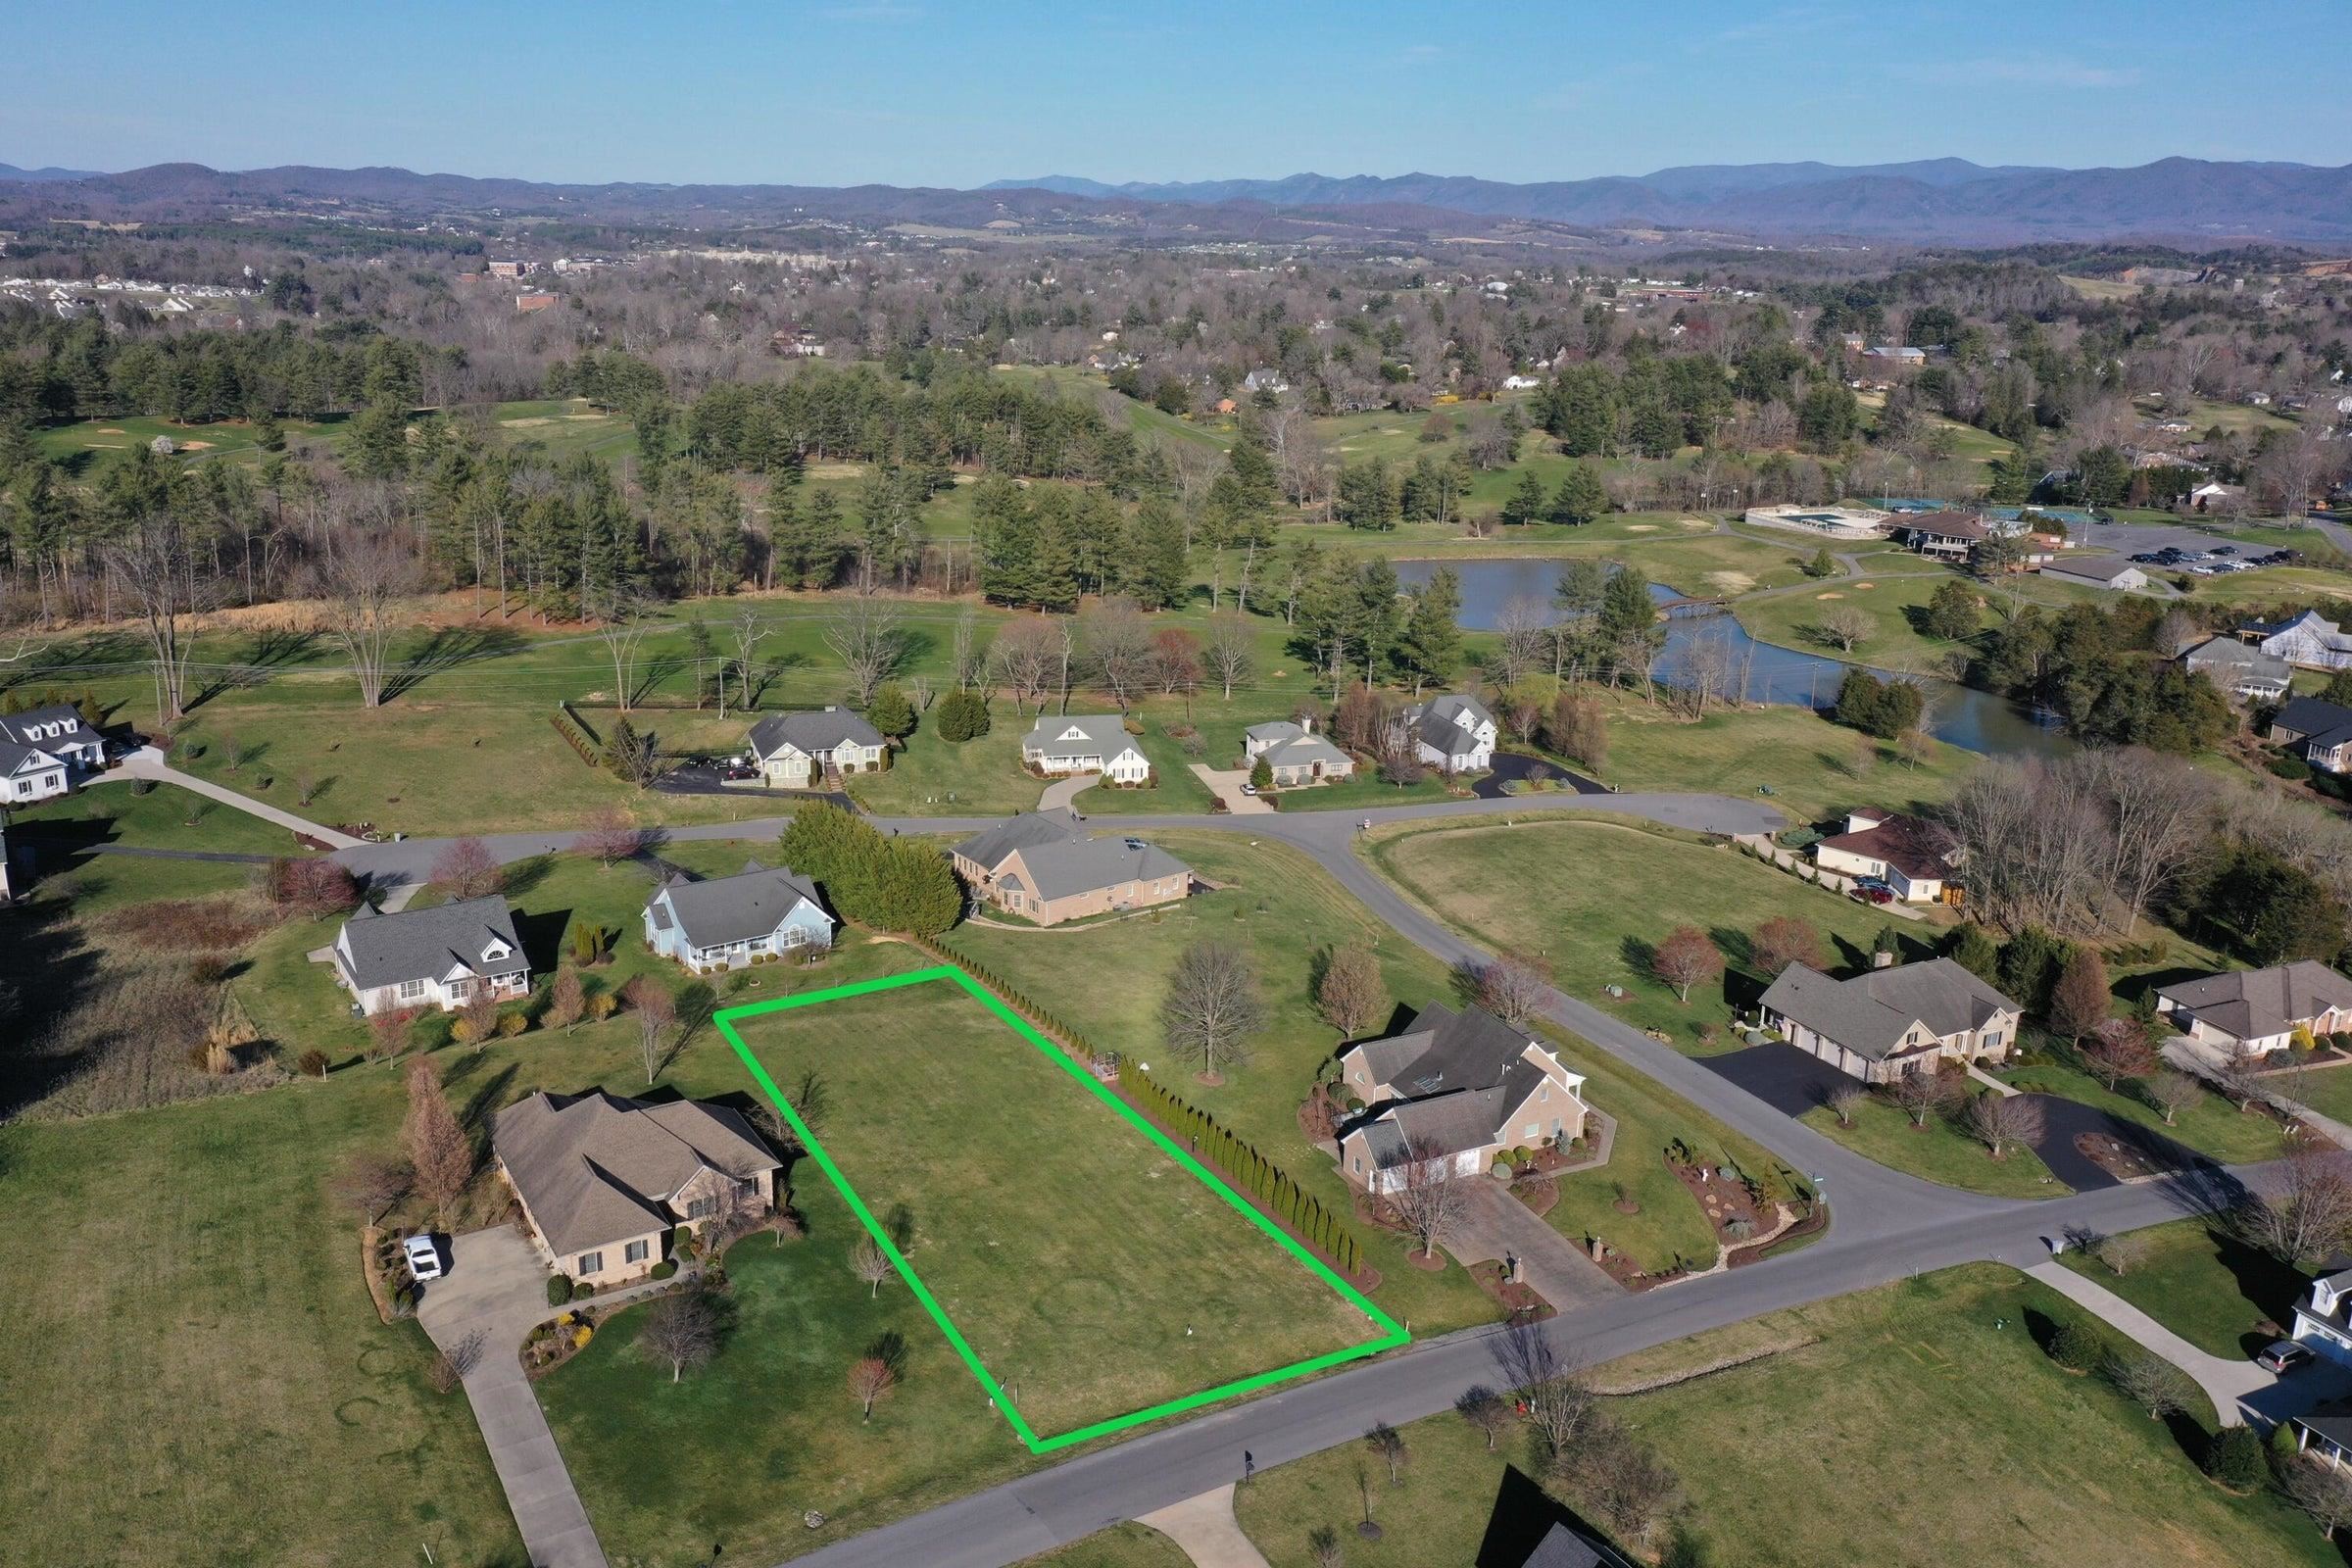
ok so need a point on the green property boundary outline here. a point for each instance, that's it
(1393, 1334)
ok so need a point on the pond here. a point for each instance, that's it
(1963, 716)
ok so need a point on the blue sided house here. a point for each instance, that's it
(729, 921)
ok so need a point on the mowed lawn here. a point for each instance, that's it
(1593, 898)
(2203, 1284)
(1928, 1426)
(193, 1370)
(1089, 1273)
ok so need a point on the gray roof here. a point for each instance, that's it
(2239, 661)
(1081, 865)
(1106, 733)
(812, 730)
(1287, 745)
(2333, 1421)
(381, 949)
(594, 1169)
(1563, 1547)
(2254, 1003)
(2093, 569)
(1456, 1075)
(2315, 720)
(13, 757)
(989, 847)
(58, 724)
(1447, 720)
(735, 909)
(1869, 1013)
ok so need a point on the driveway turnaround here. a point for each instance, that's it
(494, 1295)
(1513, 766)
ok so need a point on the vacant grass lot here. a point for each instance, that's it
(1091, 1275)
(194, 1371)
(1286, 913)
(2203, 1284)
(1942, 1151)
(1562, 889)
(1806, 762)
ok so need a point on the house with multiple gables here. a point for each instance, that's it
(1086, 743)
(810, 748)
(443, 956)
(1451, 732)
(1893, 1019)
(1040, 867)
(1295, 754)
(1456, 1087)
(2239, 669)
(727, 923)
(2307, 641)
(2320, 732)
(44, 751)
(603, 1182)
(2257, 1010)
(1909, 856)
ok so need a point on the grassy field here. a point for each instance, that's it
(1941, 1152)
(1977, 1447)
(1286, 913)
(194, 1371)
(61, 835)
(2203, 1284)
(1127, 1545)
(1090, 1274)
(1558, 890)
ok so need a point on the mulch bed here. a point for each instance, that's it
(1538, 1196)
(1626, 1272)
(2116, 1158)
(1812, 1224)
(1519, 1301)
(1723, 1202)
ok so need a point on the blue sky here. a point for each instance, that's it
(925, 92)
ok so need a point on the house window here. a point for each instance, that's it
(1535, 1129)
(409, 990)
(1544, 1093)
(701, 1208)
(460, 990)
(590, 1263)
(635, 1251)
(1992, 1041)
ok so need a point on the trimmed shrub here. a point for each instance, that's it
(961, 717)
(2234, 1457)
(666, 1268)
(2292, 769)
(313, 1062)
(558, 1289)
(2077, 1347)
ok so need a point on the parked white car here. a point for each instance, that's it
(424, 1259)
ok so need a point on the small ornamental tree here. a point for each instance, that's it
(1921, 1094)
(2118, 1049)
(566, 1001)
(2079, 1001)
(2172, 1092)
(1512, 987)
(1261, 774)
(611, 836)
(871, 1376)
(1782, 941)
(891, 711)
(682, 1330)
(468, 870)
(961, 717)
(1686, 958)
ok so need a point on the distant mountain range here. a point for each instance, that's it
(1936, 198)
(1936, 201)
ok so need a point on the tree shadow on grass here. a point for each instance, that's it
(542, 938)
(446, 649)
(265, 652)
(1640, 957)
(770, 670)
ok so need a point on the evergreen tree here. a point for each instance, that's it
(1432, 645)
(1526, 501)
(1159, 575)
(1580, 497)
(891, 711)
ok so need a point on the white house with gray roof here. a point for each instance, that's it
(1295, 754)
(802, 749)
(1041, 868)
(1888, 1022)
(1086, 743)
(1451, 732)
(2239, 670)
(44, 750)
(443, 956)
(727, 923)
(2259, 1009)
(1458, 1088)
(604, 1181)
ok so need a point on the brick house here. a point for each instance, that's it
(1042, 869)
(1458, 1086)
(1891, 1020)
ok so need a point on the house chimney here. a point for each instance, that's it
(1882, 960)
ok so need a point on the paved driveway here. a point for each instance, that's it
(1512, 766)
(1496, 1224)
(1788, 1080)
(494, 1294)
(1226, 785)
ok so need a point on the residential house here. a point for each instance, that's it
(1521, 383)
(1264, 380)
(2308, 641)
(515, 269)
(46, 751)
(604, 1181)
(2325, 1430)
(2098, 571)
(727, 923)
(2239, 670)
(1451, 731)
(1891, 1020)
(1461, 1087)
(527, 303)
(1909, 856)
(443, 956)
(2259, 1009)
(1898, 353)
(2320, 732)
(1565, 1545)
(1942, 536)
(1086, 743)
(1043, 870)
(2213, 496)
(1295, 754)
(802, 749)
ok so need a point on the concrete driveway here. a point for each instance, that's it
(1226, 785)
(1496, 1225)
(493, 1295)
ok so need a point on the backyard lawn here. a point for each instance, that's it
(2205, 1285)
(1564, 890)
(1090, 1274)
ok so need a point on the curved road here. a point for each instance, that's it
(1887, 1224)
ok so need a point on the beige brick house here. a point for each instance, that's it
(1041, 868)
(604, 1180)
(1457, 1087)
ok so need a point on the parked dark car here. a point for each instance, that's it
(1871, 891)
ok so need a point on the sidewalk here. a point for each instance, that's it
(147, 762)
(2190, 1058)
(1204, 1527)
(2231, 1386)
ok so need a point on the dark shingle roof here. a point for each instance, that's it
(58, 724)
(734, 909)
(989, 847)
(1456, 1075)
(595, 1168)
(1869, 1013)
(2254, 1003)
(381, 949)
(2313, 718)
(1906, 843)
(812, 731)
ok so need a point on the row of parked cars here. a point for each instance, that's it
(2214, 562)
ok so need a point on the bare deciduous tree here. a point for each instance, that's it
(468, 870)
(2122, 1253)
(372, 1183)
(1423, 1197)
(1024, 656)
(650, 1000)
(610, 836)
(1845, 627)
(1118, 648)
(1561, 1405)
(1922, 1094)
(1212, 1006)
(1484, 1409)
(2172, 1093)
(871, 1376)
(2152, 1383)
(865, 634)
(750, 630)
(2322, 1490)
(439, 1152)
(2118, 1049)
(1782, 941)
(1386, 1442)
(364, 578)
(1686, 958)
(1230, 649)
(2000, 1120)
(1525, 630)
(2303, 1211)
(622, 625)
(566, 1001)
(170, 581)
(682, 1329)
(1843, 1100)
(1351, 995)
(1511, 986)
(871, 1264)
